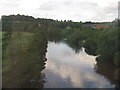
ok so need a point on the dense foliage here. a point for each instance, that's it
(23, 54)
(103, 42)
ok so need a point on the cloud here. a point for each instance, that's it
(119, 9)
(48, 6)
(76, 10)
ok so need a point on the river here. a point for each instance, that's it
(55, 65)
(67, 69)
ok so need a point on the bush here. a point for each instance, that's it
(117, 59)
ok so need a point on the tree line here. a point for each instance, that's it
(103, 43)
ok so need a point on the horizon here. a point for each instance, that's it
(60, 20)
(75, 10)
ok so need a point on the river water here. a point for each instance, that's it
(67, 69)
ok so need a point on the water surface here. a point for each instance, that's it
(67, 69)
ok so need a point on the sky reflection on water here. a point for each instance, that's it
(67, 69)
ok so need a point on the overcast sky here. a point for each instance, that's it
(76, 10)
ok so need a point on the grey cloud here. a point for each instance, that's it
(76, 10)
(111, 9)
(119, 9)
(11, 3)
(67, 4)
(110, 12)
(48, 6)
(81, 4)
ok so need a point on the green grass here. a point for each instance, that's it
(20, 64)
(17, 44)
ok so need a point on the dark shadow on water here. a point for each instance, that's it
(109, 71)
(76, 48)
